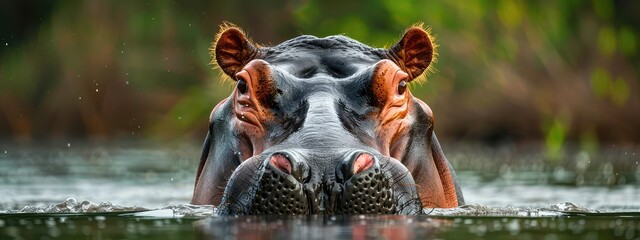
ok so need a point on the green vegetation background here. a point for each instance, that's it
(550, 71)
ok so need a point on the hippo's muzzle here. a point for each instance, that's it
(283, 183)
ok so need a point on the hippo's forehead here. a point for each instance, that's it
(337, 56)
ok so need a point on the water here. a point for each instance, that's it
(134, 190)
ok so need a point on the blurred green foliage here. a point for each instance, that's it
(555, 139)
(507, 70)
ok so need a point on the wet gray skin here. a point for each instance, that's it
(300, 133)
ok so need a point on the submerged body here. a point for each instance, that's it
(323, 126)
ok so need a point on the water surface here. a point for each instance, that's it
(138, 190)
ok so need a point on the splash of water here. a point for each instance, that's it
(71, 205)
(558, 209)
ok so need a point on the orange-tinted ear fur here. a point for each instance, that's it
(414, 52)
(232, 50)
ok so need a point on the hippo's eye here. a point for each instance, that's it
(242, 86)
(402, 86)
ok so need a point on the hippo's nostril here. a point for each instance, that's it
(362, 163)
(355, 163)
(291, 164)
(281, 162)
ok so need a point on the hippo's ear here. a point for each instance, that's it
(414, 52)
(232, 50)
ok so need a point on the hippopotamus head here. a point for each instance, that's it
(323, 126)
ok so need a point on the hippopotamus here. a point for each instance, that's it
(323, 126)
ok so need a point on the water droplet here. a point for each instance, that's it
(96, 90)
(5, 151)
(179, 118)
(71, 201)
(127, 82)
(68, 144)
(138, 126)
(172, 179)
(122, 51)
(79, 98)
(189, 24)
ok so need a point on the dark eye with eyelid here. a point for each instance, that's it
(402, 87)
(242, 86)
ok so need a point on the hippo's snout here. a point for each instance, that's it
(286, 184)
(365, 189)
(280, 189)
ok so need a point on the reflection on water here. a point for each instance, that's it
(92, 226)
(140, 191)
(417, 227)
(322, 227)
(158, 226)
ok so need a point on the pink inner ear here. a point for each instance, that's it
(414, 52)
(362, 163)
(233, 50)
(281, 162)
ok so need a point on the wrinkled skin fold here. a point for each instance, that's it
(323, 126)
